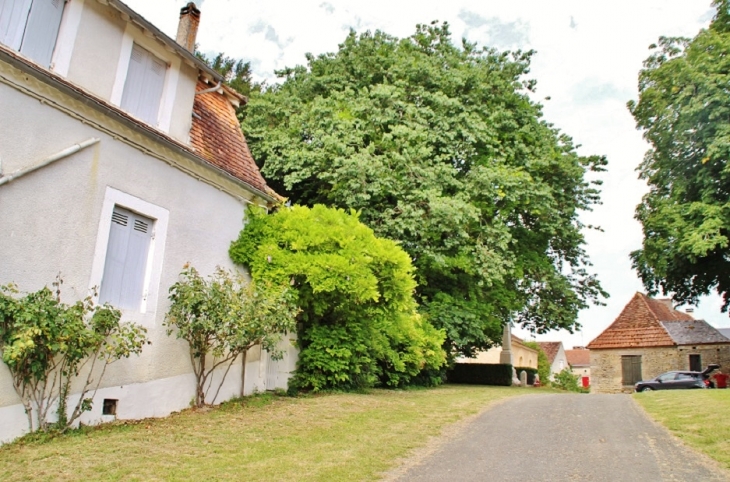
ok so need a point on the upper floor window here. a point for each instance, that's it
(144, 85)
(31, 27)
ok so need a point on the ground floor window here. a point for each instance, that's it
(129, 251)
(125, 265)
(631, 369)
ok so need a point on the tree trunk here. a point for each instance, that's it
(243, 371)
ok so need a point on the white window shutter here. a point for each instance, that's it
(144, 84)
(152, 95)
(126, 260)
(13, 17)
(131, 97)
(41, 30)
(135, 263)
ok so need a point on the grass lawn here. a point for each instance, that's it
(326, 437)
(701, 418)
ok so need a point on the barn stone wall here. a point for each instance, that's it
(606, 376)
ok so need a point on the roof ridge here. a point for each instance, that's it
(644, 298)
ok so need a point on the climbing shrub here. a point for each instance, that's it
(358, 322)
(48, 345)
(224, 316)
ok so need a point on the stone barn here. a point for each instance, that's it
(650, 337)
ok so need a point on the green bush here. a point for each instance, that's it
(49, 347)
(223, 317)
(565, 380)
(481, 374)
(358, 322)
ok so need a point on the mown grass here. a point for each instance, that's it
(326, 437)
(701, 418)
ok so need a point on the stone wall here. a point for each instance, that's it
(606, 376)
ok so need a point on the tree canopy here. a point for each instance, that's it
(683, 108)
(440, 148)
(358, 322)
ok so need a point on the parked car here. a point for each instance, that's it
(677, 380)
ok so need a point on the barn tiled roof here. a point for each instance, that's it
(578, 358)
(216, 137)
(639, 325)
(696, 332)
(551, 349)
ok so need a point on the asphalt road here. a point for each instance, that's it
(564, 438)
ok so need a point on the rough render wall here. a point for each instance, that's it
(96, 55)
(96, 49)
(606, 376)
(50, 221)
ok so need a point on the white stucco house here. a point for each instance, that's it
(556, 355)
(121, 160)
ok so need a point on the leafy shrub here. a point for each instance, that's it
(46, 344)
(481, 374)
(359, 325)
(566, 380)
(223, 317)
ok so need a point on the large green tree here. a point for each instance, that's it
(684, 110)
(440, 148)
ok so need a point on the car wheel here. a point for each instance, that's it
(646, 389)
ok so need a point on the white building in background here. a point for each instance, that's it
(121, 160)
(556, 355)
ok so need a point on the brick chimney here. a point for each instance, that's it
(187, 29)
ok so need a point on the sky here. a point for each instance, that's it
(588, 56)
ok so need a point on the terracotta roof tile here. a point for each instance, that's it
(551, 349)
(216, 137)
(638, 325)
(577, 358)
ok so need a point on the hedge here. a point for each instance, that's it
(531, 372)
(481, 374)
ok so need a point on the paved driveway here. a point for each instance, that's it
(564, 438)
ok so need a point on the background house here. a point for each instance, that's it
(522, 355)
(579, 359)
(555, 354)
(650, 337)
(122, 160)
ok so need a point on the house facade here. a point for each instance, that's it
(579, 359)
(650, 337)
(522, 355)
(555, 354)
(121, 160)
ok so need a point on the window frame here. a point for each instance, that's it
(134, 35)
(153, 269)
(18, 42)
